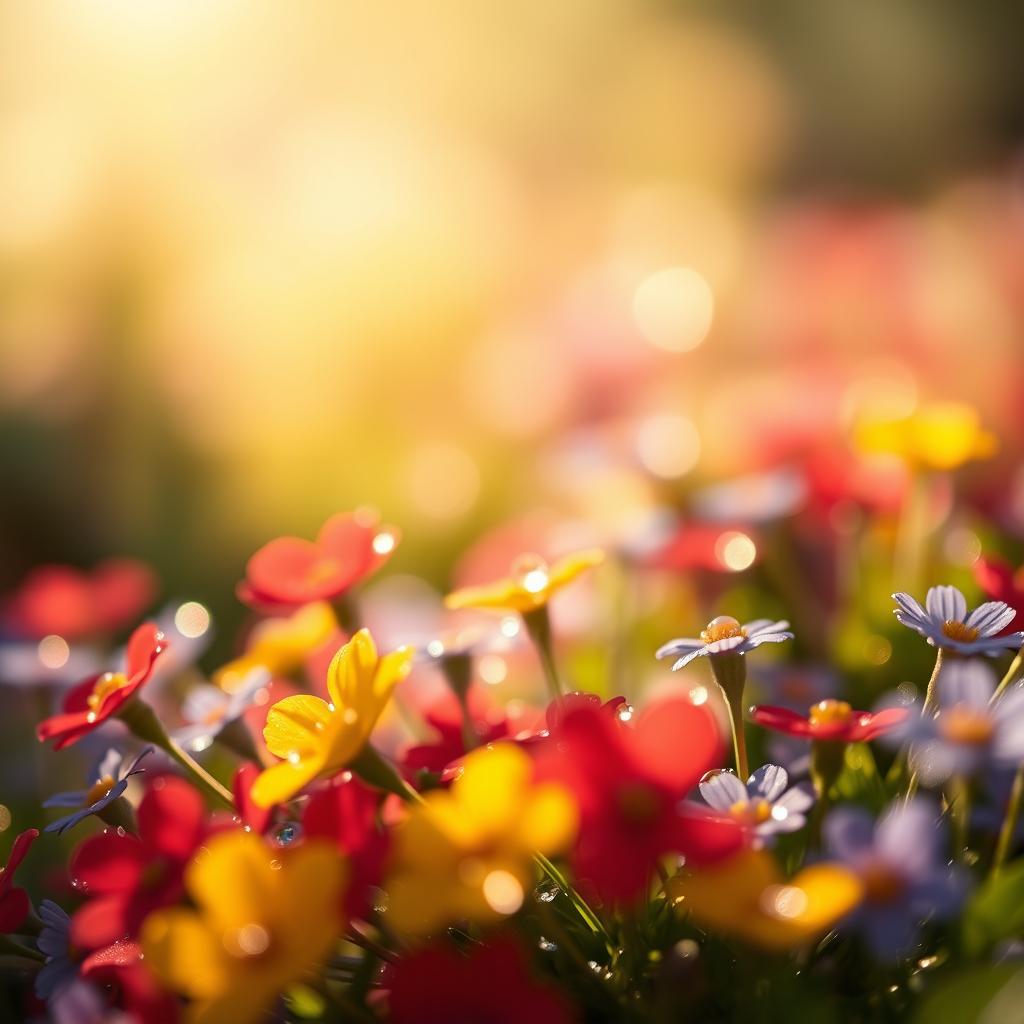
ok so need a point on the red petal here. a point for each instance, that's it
(172, 818)
(65, 728)
(14, 908)
(676, 742)
(144, 645)
(108, 863)
(781, 720)
(121, 590)
(18, 851)
(704, 838)
(257, 818)
(868, 726)
(123, 953)
(100, 922)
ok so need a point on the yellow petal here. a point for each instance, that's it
(304, 908)
(492, 788)
(296, 725)
(565, 570)
(350, 675)
(282, 781)
(183, 952)
(549, 820)
(831, 891)
(232, 880)
(502, 594)
(391, 670)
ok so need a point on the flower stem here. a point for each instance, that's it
(538, 625)
(931, 697)
(379, 772)
(959, 813)
(1009, 823)
(1012, 673)
(730, 672)
(142, 721)
(739, 740)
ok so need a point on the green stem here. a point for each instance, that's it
(377, 771)
(1009, 823)
(591, 919)
(1012, 673)
(458, 672)
(730, 672)
(931, 696)
(142, 721)
(538, 625)
(959, 814)
(739, 741)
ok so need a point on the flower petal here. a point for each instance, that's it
(768, 782)
(723, 790)
(991, 617)
(296, 725)
(946, 604)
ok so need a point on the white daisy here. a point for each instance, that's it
(944, 622)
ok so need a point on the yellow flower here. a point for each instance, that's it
(281, 645)
(747, 897)
(941, 436)
(259, 924)
(315, 738)
(466, 853)
(530, 586)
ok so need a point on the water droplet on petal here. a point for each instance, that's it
(624, 712)
(547, 892)
(714, 773)
(547, 946)
(288, 833)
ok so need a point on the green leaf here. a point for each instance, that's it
(981, 994)
(996, 911)
(859, 781)
(305, 1002)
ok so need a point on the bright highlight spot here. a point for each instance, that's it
(503, 892)
(673, 309)
(735, 550)
(784, 900)
(668, 445)
(492, 669)
(191, 620)
(384, 543)
(5, 818)
(54, 651)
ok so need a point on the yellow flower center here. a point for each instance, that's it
(531, 573)
(100, 789)
(881, 883)
(751, 812)
(722, 628)
(251, 940)
(963, 724)
(831, 712)
(638, 804)
(959, 631)
(108, 683)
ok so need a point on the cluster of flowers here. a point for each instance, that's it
(574, 865)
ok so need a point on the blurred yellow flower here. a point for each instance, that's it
(466, 853)
(530, 586)
(747, 897)
(940, 435)
(262, 920)
(315, 738)
(282, 644)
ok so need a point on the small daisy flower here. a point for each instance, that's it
(725, 635)
(945, 624)
(54, 943)
(208, 710)
(108, 785)
(765, 804)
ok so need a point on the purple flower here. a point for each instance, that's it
(901, 865)
(54, 943)
(944, 622)
(209, 709)
(108, 785)
(725, 635)
(764, 803)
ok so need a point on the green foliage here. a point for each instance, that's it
(996, 911)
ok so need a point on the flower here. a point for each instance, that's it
(746, 896)
(1000, 582)
(281, 645)
(127, 877)
(531, 585)
(289, 571)
(67, 602)
(830, 720)
(315, 738)
(763, 804)
(14, 901)
(263, 919)
(902, 870)
(208, 709)
(969, 730)
(945, 624)
(725, 635)
(94, 700)
(628, 778)
(941, 436)
(108, 785)
(256, 818)
(491, 983)
(465, 852)
(54, 943)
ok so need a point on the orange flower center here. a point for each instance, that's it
(722, 628)
(100, 789)
(882, 884)
(638, 804)
(108, 683)
(963, 724)
(959, 631)
(751, 812)
(831, 712)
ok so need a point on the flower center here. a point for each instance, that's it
(531, 573)
(751, 812)
(100, 789)
(959, 631)
(722, 628)
(108, 683)
(638, 803)
(251, 940)
(831, 712)
(963, 724)
(881, 883)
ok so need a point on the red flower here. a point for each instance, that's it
(628, 779)
(128, 877)
(489, 985)
(830, 720)
(289, 571)
(345, 812)
(119, 972)
(255, 817)
(75, 604)
(1000, 583)
(14, 901)
(89, 704)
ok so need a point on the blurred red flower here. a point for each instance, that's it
(119, 972)
(94, 700)
(290, 571)
(1000, 582)
(490, 984)
(74, 603)
(628, 779)
(830, 720)
(127, 877)
(14, 901)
